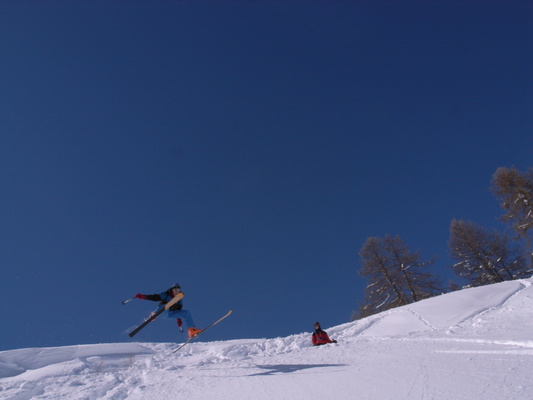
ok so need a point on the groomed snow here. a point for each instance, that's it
(471, 344)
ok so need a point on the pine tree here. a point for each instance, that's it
(396, 275)
(484, 257)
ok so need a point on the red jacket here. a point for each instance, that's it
(320, 337)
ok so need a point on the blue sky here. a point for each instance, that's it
(245, 150)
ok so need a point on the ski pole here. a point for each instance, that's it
(128, 300)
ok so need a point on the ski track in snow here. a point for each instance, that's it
(472, 344)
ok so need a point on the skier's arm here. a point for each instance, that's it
(329, 340)
(151, 297)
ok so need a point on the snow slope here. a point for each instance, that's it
(471, 344)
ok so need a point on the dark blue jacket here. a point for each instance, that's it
(164, 298)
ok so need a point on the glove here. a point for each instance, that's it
(139, 296)
(180, 322)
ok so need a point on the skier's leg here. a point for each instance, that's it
(183, 314)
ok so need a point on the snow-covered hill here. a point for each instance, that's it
(471, 344)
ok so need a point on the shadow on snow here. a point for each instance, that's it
(289, 368)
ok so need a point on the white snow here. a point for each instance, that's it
(471, 344)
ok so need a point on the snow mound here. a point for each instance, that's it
(16, 362)
(474, 343)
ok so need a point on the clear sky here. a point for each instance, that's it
(245, 150)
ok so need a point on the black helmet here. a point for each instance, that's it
(176, 286)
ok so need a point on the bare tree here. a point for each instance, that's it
(484, 257)
(396, 276)
(515, 192)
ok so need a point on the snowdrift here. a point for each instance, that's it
(471, 344)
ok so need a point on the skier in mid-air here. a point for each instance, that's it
(320, 337)
(175, 311)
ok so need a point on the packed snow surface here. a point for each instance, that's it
(471, 344)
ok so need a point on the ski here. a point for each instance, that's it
(202, 331)
(174, 300)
